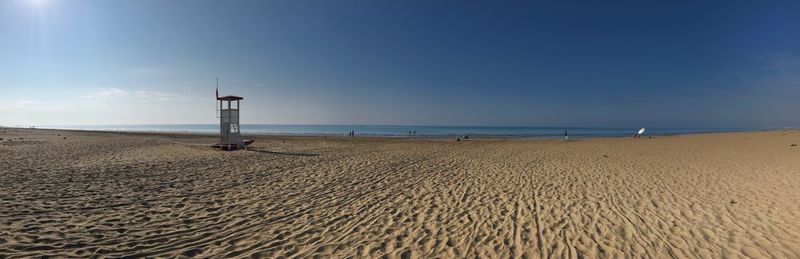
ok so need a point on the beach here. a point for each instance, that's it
(81, 193)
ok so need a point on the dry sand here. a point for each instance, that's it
(116, 194)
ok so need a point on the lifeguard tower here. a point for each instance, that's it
(230, 136)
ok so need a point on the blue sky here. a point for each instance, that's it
(515, 63)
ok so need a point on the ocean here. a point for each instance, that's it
(399, 130)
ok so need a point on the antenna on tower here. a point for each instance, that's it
(218, 108)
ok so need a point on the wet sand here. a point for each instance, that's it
(78, 194)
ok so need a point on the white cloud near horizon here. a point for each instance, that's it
(112, 93)
(107, 106)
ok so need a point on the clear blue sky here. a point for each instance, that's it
(520, 63)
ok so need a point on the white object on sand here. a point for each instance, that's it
(641, 131)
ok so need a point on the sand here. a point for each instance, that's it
(79, 194)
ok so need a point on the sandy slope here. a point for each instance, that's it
(710, 195)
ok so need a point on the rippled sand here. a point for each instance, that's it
(112, 194)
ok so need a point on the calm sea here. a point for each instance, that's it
(398, 130)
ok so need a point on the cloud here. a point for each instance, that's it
(785, 62)
(23, 106)
(28, 102)
(108, 106)
(767, 97)
(116, 93)
(782, 77)
(106, 94)
(154, 95)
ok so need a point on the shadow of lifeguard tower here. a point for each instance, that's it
(230, 135)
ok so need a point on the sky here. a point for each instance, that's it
(699, 64)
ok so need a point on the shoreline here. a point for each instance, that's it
(573, 137)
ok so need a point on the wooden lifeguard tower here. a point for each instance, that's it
(230, 135)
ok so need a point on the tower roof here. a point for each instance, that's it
(229, 98)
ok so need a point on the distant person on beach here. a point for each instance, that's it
(566, 135)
